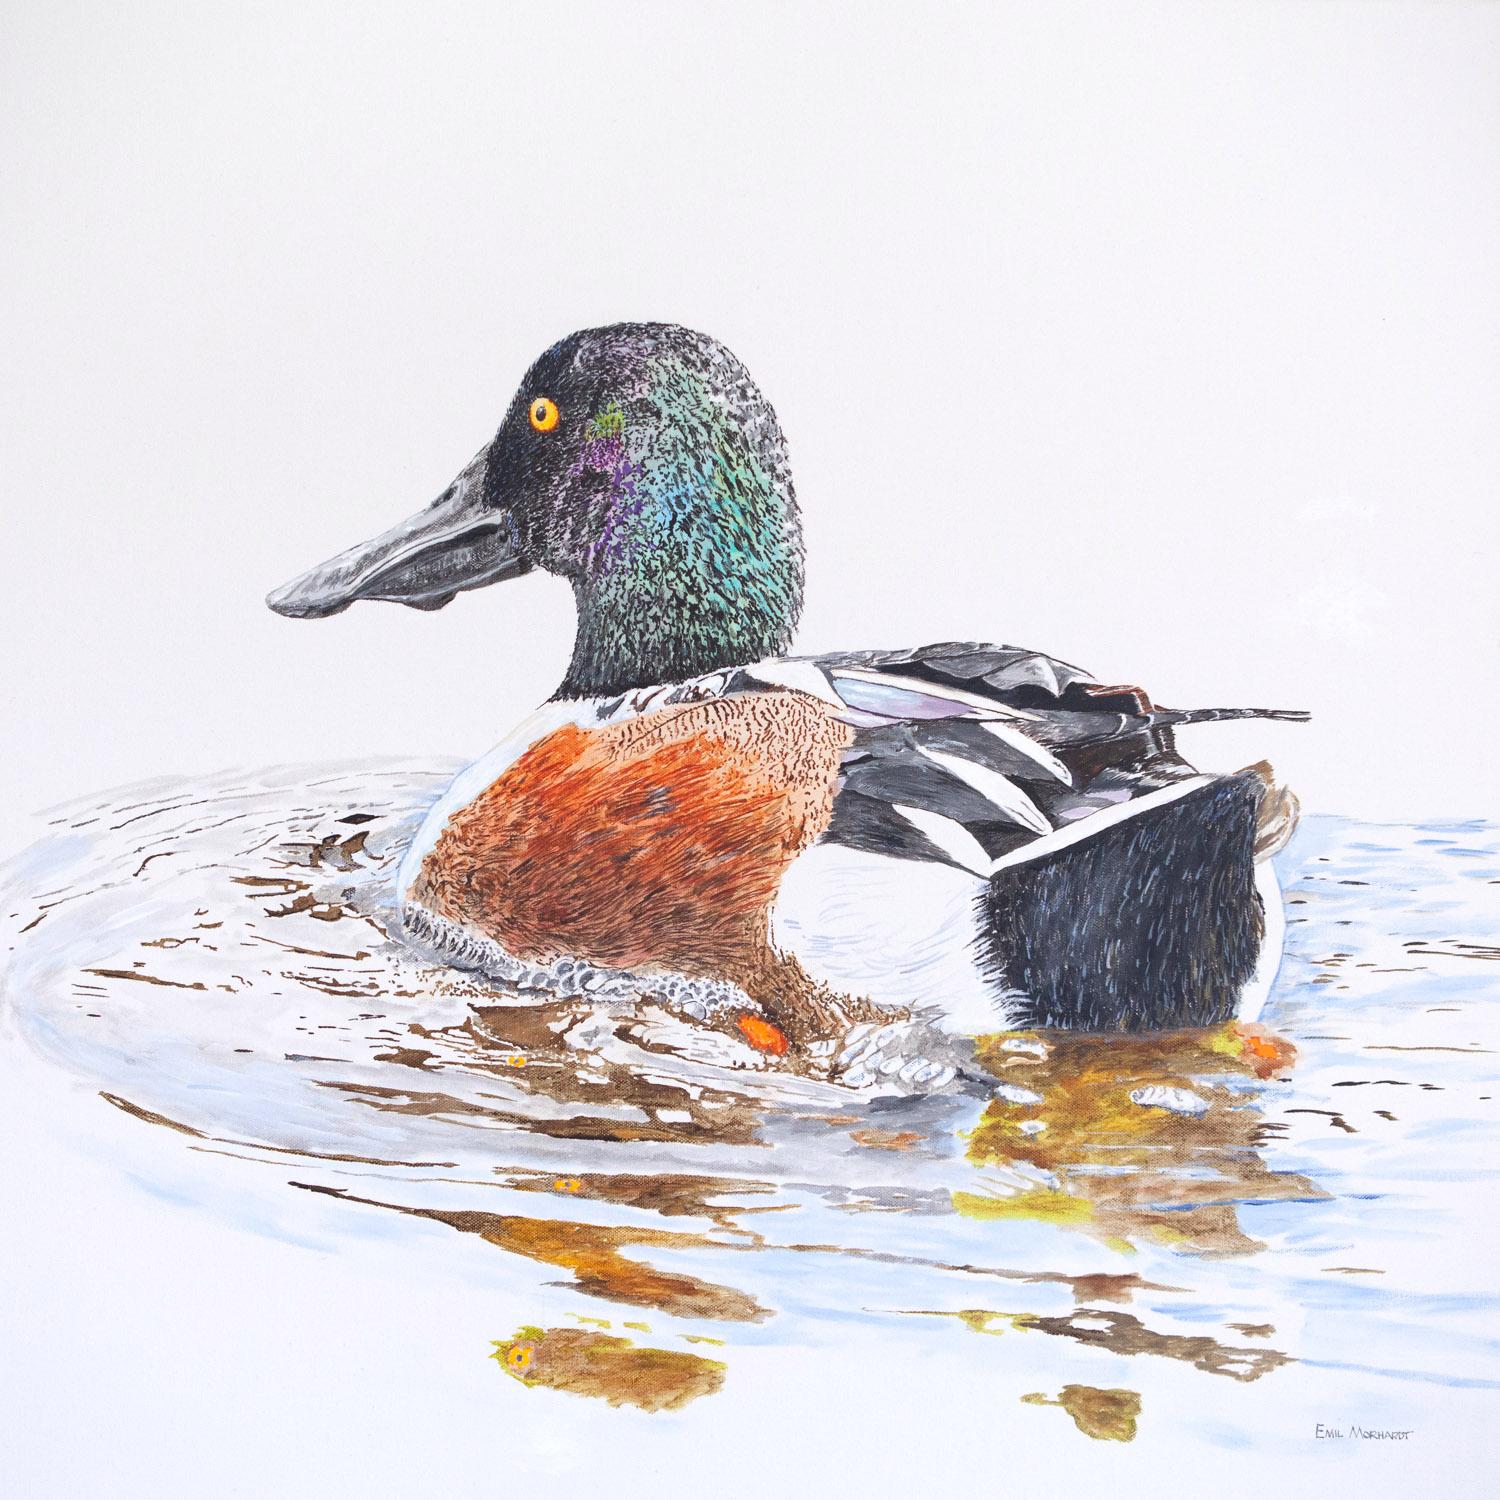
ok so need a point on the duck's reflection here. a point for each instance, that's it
(607, 1366)
(1107, 1415)
(593, 1253)
(1123, 1139)
(1129, 1138)
(1126, 1140)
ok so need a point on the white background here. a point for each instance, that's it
(1165, 338)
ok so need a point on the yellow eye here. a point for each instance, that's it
(544, 414)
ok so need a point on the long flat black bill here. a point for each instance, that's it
(458, 542)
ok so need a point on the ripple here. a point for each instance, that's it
(215, 958)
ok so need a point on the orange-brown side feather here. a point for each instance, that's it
(661, 840)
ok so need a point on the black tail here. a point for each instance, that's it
(1151, 923)
(1168, 716)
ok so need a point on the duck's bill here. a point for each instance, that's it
(457, 543)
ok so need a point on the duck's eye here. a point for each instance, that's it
(544, 414)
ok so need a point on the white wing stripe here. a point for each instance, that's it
(1018, 740)
(1087, 828)
(952, 838)
(880, 693)
(995, 788)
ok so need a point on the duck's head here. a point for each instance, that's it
(640, 463)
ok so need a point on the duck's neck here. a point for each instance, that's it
(691, 577)
(631, 642)
(697, 564)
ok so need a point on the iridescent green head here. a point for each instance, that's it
(641, 463)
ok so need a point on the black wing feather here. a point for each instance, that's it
(1113, 741)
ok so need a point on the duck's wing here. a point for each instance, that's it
(964, 752)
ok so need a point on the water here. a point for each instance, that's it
(1229, 1236)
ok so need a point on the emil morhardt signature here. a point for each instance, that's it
(1387, 1434)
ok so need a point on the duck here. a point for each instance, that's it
(791, 847)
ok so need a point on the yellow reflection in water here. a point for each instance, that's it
(1108, 1415)
(1133, 1137)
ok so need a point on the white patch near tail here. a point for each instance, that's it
(1258, 988)
(999, 790)
(900, 932)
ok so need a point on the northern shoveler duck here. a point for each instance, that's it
(781, 843)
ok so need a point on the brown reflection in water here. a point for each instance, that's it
(669, 1194)
(151, 1117)
(888, 1140)
(1108, 1415)
(1104, 1287)
(1121, 1333)
(607, 1366)
(592, 1253)
(140, 977)
(1159, 1165)
(606, 1099)
(330, 852)
(731, 1125)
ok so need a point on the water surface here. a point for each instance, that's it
(1176, 1233)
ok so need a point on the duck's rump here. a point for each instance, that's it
(1155, 920)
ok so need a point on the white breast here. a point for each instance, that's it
(899, 931)
(472, 780)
